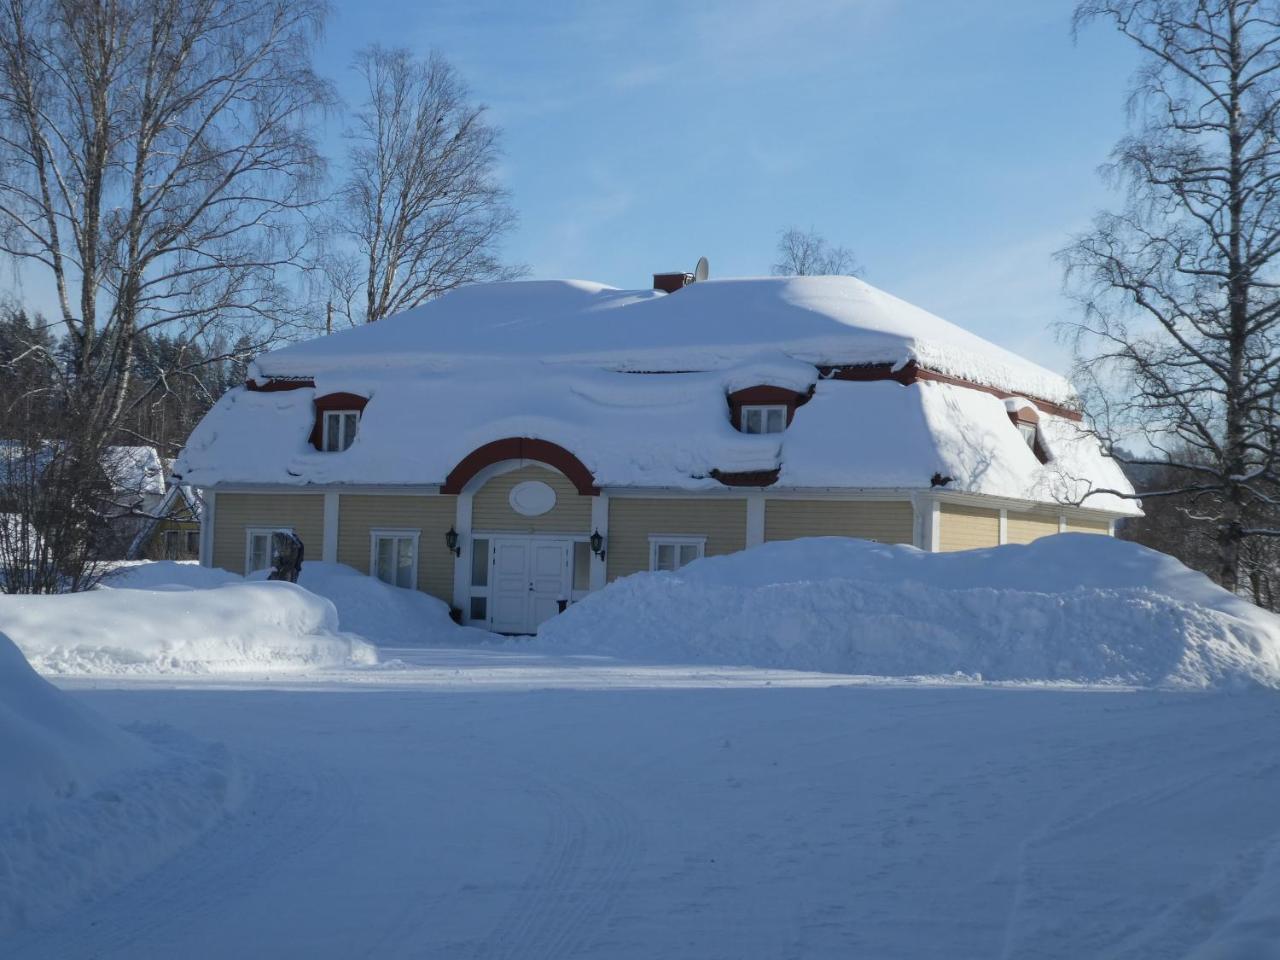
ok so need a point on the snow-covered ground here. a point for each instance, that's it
(193, 791)
(86, 806)
(498, 802)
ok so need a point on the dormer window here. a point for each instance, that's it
(1029, 432)
(339, 429)
(764, 418)
(1024, 416)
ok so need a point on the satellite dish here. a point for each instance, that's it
(701, 271)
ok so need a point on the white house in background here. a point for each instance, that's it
(510, 447)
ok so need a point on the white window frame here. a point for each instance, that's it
(341, 418)
(399, 534)
(765, 409)
(249, 534)
(677, 540)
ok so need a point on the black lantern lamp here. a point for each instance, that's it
(597, 544)
(451, 541)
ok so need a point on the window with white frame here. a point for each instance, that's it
(339, 429)
(770, 418)
(393, 557)
(257, 548)
(672, 553)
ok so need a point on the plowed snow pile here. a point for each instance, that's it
(1072, 607)
(236, 626)
(85, 806)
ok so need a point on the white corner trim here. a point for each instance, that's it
(934, 538)
(208, 517)
(599, 521)
(755, 518)
(462, 563)
(1062, 523)
(1004, 527)
(329, 545)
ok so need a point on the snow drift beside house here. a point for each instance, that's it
(386, 615)
(173, 628)
(1072, 607)
(85, 806)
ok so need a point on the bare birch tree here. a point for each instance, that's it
(421, 211)
(804, 253)
(156, 156)
(1178, 341)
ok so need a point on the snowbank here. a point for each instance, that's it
(85, 806)
(386, 615)
(382, 614)
(1073, 607)
(172, 628)
(167, 575)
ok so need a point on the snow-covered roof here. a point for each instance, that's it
(709, 325)
(135, 469)
(649, 431)
(634, 384)
(129, 469)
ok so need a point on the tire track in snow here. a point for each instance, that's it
(288, 809)
(591, 847)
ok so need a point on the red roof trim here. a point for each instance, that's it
(275, 386)
(912, 372)
(748, 478)
(521, 448)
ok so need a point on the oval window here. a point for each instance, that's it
(532, 498)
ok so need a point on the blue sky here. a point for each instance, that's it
(952, 145)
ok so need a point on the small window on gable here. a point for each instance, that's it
(339, 430)
(672, 553)
(761, 418)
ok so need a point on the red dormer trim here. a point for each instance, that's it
(1029, 415)
(765, 396)
(326, 404)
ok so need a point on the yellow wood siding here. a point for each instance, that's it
(235, 512)
(491, 509)
(430, 516)
(1081, 525)
(154, 548)
(967, 528)
(1032, 525)
(633, 520)
(884, 521)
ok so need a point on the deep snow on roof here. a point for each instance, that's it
(666, 431)
(708, 325)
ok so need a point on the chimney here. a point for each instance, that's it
(671, 282)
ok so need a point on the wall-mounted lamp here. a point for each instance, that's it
(597, 544)
(451, 541)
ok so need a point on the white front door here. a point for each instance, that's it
(528, 578)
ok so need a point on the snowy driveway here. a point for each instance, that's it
(498, 805)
